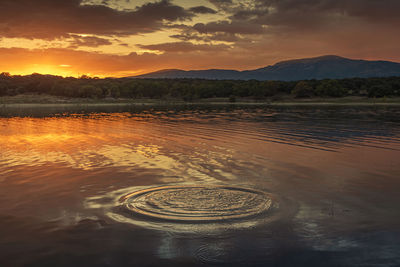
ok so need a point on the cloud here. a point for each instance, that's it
(202, 10)
(51, 19)
(370, 9)
(286, 16)
(224, 37)
(177, 47)
(309, 13)
(88, 41)
(221, 4)
(233, 27)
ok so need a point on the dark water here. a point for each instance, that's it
(234, 186)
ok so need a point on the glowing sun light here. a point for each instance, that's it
(61, 70)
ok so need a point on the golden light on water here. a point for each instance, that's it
(126, 142)
(79, 143)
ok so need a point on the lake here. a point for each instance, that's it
(200, 185)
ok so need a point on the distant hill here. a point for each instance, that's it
(325, 67)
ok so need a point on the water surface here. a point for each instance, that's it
(311, 186)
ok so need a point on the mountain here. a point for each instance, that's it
(214, 74)
(325, 67)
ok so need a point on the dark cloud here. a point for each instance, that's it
(310, 13)
(230, 27)
(224, 37)
(188, 37)
(88, 41)
(284, 15)
(51, 19)
(184, 47)
(371, 9)
(221, 4)
(202, 10)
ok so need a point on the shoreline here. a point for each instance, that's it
(143, 104)
(33, 101)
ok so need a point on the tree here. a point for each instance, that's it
(90, 91)
(3, 88)
(4, 75)
(302, 89)
(113, 90)
(269, 88)
(330, 88)
(380, 90)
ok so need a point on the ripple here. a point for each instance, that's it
(198, 203)
(215, 253)
(194, 209)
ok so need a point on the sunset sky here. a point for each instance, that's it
(129, 37)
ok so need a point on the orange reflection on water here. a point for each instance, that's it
(81, 142)
(190, 146)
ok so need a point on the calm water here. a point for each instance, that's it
(201, 186)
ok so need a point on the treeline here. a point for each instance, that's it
(190, 89)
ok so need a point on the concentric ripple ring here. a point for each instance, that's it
(198, 203)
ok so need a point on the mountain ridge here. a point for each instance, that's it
(322, 67)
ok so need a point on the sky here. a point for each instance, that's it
(120, 38)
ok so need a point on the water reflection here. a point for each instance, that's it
(98, 140)
(334, 170)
